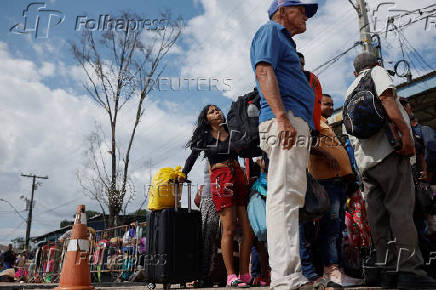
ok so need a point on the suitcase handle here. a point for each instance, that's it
(176, 193)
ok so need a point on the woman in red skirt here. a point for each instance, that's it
(229, 188)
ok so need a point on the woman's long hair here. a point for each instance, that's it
(202, 129)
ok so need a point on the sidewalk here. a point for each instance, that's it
(127, 286)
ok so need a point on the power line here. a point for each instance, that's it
(420, 57)
(52, 210)
(401, 45)
(15, 210)
(330, 62)
(38, 221)
(320, 42)
(10, 211)
(420, 60)
(15, 229)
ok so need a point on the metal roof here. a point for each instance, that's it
(418, 85)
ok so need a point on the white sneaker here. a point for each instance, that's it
(332, 273)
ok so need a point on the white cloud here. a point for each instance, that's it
(47, 69)
(20, 69)
(219, 40)
(43, 133)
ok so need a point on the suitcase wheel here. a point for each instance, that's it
(151, 286)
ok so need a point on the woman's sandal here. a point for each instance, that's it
(237, 284)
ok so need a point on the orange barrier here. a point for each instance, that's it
(75, 272)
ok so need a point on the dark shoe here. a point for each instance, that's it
(412, 281)
(322, 283)
(371, 276)
(202, 284)
(389, 280)
(259, 282)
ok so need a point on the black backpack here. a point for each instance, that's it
(316, 201)
(243, 124)
(364, 115)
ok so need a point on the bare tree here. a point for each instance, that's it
(120, 67)
(94, 177)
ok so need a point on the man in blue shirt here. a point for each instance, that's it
(286, 118)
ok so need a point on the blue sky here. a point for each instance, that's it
(46, 115)
(60, 35)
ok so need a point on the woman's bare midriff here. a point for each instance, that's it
(227, 163)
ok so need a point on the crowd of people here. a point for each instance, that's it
(292, 253)
(293, 107)
(9, 259)
(114, 255)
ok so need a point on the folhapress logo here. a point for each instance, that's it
(38, 20)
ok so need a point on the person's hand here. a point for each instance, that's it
(408, 148)
(286, 133)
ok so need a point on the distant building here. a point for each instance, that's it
(96, 222)
(51, 236)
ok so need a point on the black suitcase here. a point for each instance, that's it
(173, 245)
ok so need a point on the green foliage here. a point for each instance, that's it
(91, 213)
(65, 223)
(139, 212)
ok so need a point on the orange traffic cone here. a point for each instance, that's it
(75, 272)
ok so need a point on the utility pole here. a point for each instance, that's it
(364, 27)
(29, 217)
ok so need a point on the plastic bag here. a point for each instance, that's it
(257, 215)
(162, 191)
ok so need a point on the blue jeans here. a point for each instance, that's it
(331, 224)
(306, 260)
(255, 263)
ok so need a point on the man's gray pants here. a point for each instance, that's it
(390, 195)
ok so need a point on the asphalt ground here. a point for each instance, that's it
(127, 286)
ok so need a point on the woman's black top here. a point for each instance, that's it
(215, 150)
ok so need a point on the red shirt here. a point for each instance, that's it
(317, 89)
